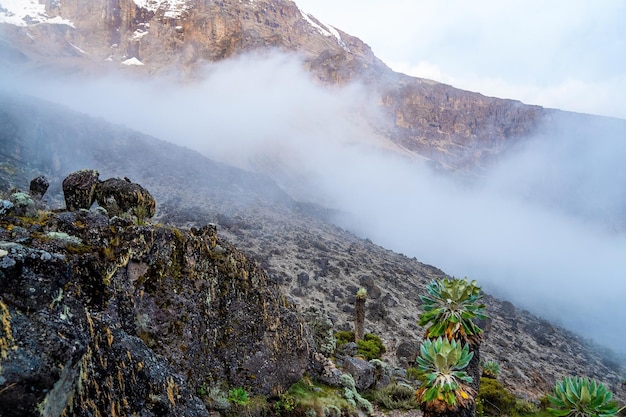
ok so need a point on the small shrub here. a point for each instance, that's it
(344, 337)
(544, 403)
(480, 409)
(525, 407)
(413, 374)
(395, 397)
(141, 214)
(321, 329)
(218, 399)
(352, 395)
(287, 403)
(496, 400)
(371, 347)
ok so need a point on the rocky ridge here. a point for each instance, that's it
(314, 262)
(98, 314)
(457, 129)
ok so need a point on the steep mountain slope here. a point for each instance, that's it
(315, 263)
(456, 128)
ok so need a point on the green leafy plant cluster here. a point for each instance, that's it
(441, 362)
(238, 396)
(582, 397)
(491, 369)
(361, 294)
(450, 307)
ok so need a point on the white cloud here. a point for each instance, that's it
(530, 232)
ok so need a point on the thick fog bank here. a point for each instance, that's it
(544, 229)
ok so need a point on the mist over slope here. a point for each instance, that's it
(544, 226)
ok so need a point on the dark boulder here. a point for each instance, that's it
(407, 353)
(361, 370)
(120, 196)
(79, 189)
(38, 187)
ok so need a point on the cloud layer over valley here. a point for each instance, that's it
(545, 228)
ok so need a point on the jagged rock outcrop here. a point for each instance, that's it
(118, 196)
(79, 189)
(99, 317)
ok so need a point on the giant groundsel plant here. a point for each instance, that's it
(582, 397)
(450, 307)
(441, 362)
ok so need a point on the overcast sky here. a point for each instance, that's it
(567, 54)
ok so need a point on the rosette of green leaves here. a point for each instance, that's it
(450, 307)
(441, 362)
(491, 369)
(581, 397)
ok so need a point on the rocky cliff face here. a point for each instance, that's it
(456, 128)
(102, 317)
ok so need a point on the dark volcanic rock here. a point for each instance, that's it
(38, 187)
(79, 189)
(361, 370)
(119, 196)
(100, 317)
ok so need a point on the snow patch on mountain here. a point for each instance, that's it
(132, 61)
(27, 13)
(171, 8)
(325, 30)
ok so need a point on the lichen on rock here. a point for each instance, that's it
(100, 316)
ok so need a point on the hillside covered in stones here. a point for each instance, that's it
(312, 261)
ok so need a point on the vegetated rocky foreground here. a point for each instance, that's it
(99, 316)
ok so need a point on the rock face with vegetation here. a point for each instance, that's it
(99, 316)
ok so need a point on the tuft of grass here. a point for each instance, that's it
(394, 397)
(320, 398)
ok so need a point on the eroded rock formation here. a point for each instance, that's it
(99, 317)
